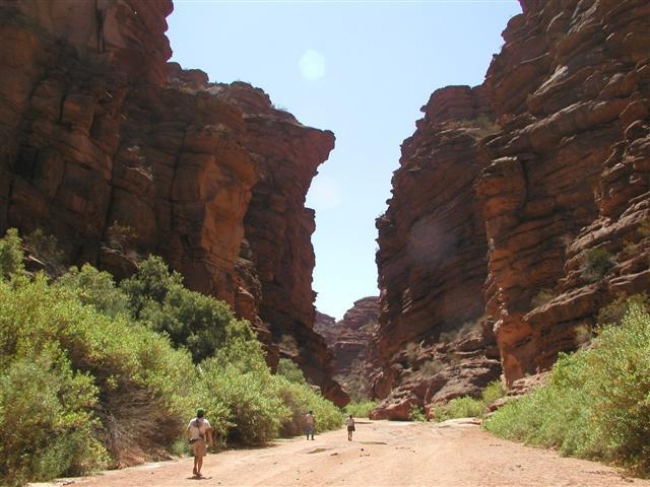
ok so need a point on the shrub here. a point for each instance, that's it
(493, 391)
(260, 406)
(460, 407)
(11, 254)
(596, 403)
(151, 283)
(289, 370)
(95, 288)
(136, 377)
(301, 398)
(45, 248)
(46, 410)
(469, 407)
(360, 409)
(246, 389)
(89, 376)
(191, 320)
(596, 263)
(416, 413)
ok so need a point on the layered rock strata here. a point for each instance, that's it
(119, 154)
(565, 192)
(432, 261)
(351, 341)
(561, 190)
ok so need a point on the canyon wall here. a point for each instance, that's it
(351, 341)
(120, 154)
(529, 230)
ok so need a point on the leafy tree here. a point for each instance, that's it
(104, 381)
(11, 254)
(200, 323)
(288, 369)
(96, 288)
(150, 284)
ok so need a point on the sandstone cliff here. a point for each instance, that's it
(119, 154)
(575, 148)
(432, 262)
(351, 341)
(531, 230)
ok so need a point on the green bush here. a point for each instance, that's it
(150, 284)
(136, 377)
(417, 413)
(245, 387)
(301, 398)
(46, 249)
(596, 263)
(469, 407)
(597, 402)
(46, 411)
(95, 288)
(493, 391)
(460, 407)
(200, 323)
(11, 254)
(288, 369)
(93, 374)
(360, 409)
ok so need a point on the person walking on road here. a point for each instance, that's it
(310, 422)
(349, 422)
(199, 433)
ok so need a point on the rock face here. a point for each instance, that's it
(120, 154)
(351, 341)
(432, 261)
(565, 193)
(550, 212)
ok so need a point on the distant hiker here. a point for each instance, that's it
(199, 433)
(349, 422)
(310, 421)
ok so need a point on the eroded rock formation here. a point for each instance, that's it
(432, 261)
(556, 198)
(567, 179)
(119, 154)
(351, 341)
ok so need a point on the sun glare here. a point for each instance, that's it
(312, 65)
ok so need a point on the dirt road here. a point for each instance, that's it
(382, 453)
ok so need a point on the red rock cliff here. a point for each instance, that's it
(556, 198)
(432, 261)
(351, 341)
(119, 154)
(567, 179)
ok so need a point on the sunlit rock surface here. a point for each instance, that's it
(120, 154)
(531, 229)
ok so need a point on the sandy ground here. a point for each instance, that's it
(382, 453)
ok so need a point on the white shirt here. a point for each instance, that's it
(198, 428)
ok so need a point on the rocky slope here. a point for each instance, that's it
(527, 231)
(351, 341)
(120, 154)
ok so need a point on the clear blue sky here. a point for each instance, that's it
(361, 69)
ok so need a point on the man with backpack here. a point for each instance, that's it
(199, 433)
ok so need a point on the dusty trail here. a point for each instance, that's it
(383, 453)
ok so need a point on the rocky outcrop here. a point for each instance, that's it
(351, 341)
(556, 197)
(565, 193)
(431, 261)
(119, 154)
